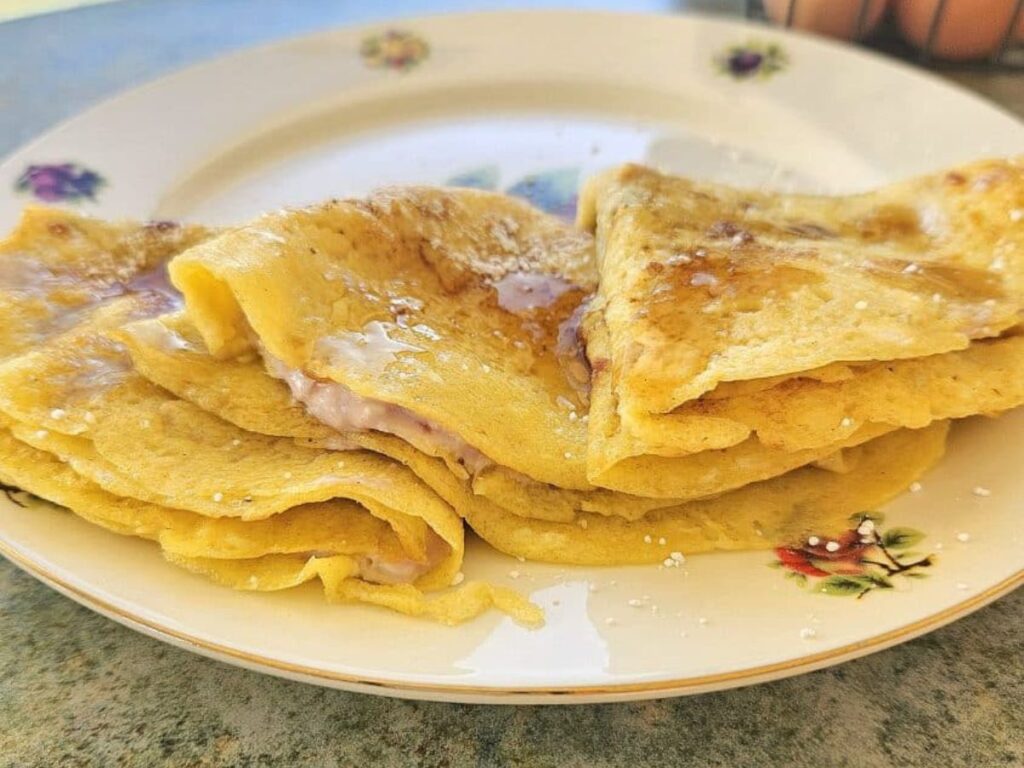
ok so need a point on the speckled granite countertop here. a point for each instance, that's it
(79, 690)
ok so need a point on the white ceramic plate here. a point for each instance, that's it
(532, 102)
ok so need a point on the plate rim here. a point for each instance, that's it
(476, 694)
(365, 27)
(504, 694)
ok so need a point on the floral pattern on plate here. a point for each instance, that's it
(394, 49)
(860, 560)
(553, 191)
(60, 182)
(752, 60)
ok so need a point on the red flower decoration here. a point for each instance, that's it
(856, 561)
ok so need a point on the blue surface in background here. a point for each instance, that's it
(55, 65)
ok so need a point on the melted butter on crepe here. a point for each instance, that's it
(446, 305)
(136, 439)
(418, 269)
(714, 299)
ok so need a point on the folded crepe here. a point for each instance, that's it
(777, 326)
(428, 314)
(83, 429)
(447, 318)
(168, 351)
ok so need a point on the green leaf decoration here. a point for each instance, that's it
(846, 586)
(879, 580)
(901, 538)
(914, 575)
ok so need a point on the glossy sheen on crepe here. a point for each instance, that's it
(56, 266)
(275, 270)
(439, 312)
(758, 516)
(133, 439)
(83, 385)
(702, 284)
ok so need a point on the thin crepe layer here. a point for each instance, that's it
(758, 516)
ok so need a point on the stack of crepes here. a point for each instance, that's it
(343, 383)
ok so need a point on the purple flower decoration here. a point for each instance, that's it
(742, 63)
(752, 60)
(66, 182)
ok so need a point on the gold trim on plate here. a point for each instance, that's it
(658, 688)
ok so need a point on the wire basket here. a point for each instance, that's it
(1008, 54)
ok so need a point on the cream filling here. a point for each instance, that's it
(571, 353)
(340, 408)
(522, 291)
(379, 569)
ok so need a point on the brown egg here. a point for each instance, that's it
(969, 29)
(835, 18)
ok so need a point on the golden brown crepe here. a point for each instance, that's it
(732, 320)
(346, 381)
(169, 352)
(705, 283)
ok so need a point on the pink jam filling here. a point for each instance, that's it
(380, 569)
(340, 408)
